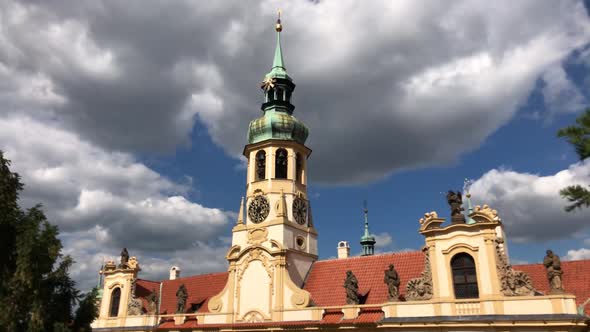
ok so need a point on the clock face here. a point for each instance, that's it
(258, 209)
(300, 210)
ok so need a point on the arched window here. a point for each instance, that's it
(260, 165)
(115, 300)
(298, 168)
(464, 277)
(281, 164)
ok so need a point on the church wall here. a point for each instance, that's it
(255, 292)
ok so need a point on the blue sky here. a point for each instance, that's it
(127, 121)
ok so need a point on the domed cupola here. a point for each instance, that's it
(278, 121)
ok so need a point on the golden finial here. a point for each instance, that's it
(279, 26)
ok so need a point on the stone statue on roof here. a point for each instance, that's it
(181, 296)
(124, 258)
(455, 200)
(351, 285)
(553, 265)
(391, 278)
(152, 301)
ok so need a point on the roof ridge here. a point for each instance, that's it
(368, 257)
(195, 275)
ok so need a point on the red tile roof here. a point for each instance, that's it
(576, 278)
(200, 289)
(327, 276)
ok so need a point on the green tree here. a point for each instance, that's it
(36, 291)
(579, 136)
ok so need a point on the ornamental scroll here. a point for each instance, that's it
(512, 283)
(419, 289)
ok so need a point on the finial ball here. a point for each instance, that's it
(279, 27)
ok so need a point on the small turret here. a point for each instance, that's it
(367, 240)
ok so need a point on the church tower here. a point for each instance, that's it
(274, 242)
(367, 240)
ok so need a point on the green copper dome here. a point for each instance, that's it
(277, 125)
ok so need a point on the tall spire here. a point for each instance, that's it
(466, 189)
(278, 60)
(278, 64)
(367, 240)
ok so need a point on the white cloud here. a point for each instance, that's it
(573, 255)
(104, 200)
(383, 240)
(530, 205)
(560, 94)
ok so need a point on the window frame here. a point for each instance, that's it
(463, 267)
(115, 296)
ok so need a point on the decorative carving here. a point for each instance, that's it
(181, 296)
(512, 283)
(300, 299)
(428, 216)
(132, 263)
(152, 300)
(430, 221)
(553, 265)
(124, 258)
(487, 212)
(455, 201)
(418, 289)
(257, 235)
(300, 210)
(253, 317)
(351, 285)
(258, 209)
(215, 304)
(110, 265)
(134, 307)
(391, 278)
(255, 254)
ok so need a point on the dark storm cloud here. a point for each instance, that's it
(397, 85)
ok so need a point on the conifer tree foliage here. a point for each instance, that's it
(36, 291)
(579, 136)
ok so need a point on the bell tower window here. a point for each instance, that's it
(298, 168)
(464, 276)
(115, 300)
(260, 165)
(281, 164)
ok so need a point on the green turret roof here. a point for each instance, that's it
(277, 125)
(367, 240)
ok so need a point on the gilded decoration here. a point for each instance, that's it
(419, 289)
(257, 236)
(512, 282)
